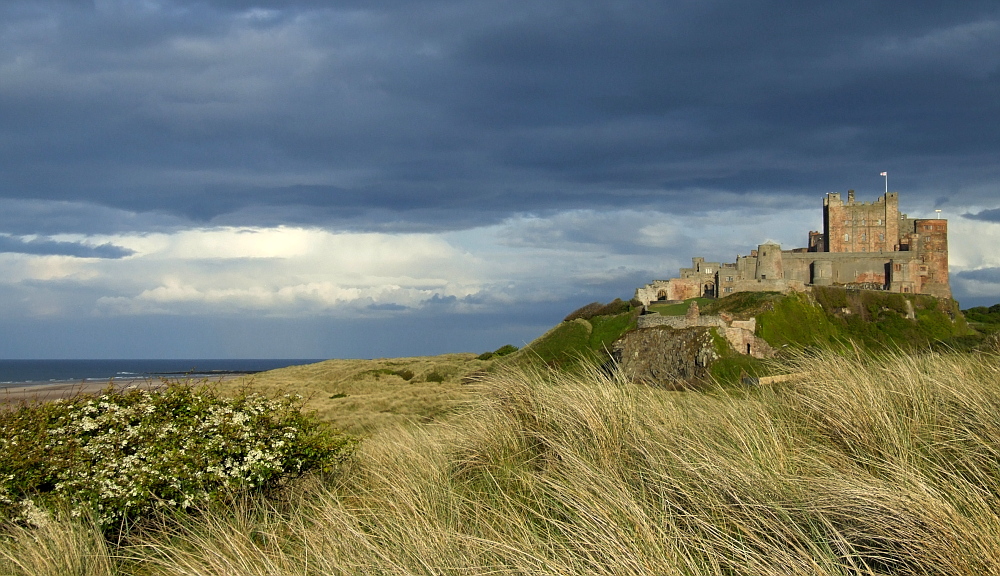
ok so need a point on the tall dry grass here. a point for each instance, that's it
(60, 546)
(885, 465)
(363, 396)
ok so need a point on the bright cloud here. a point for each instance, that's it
(282, 270)
(288, 271)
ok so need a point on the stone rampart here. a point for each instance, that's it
(678, 322)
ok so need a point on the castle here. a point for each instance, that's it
(867, 245)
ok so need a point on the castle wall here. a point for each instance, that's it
(825, 269)
(867, 245)
(678, 322)
(769, 285)
(744, 342)
(673, 289)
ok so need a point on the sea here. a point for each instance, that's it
(29, 372)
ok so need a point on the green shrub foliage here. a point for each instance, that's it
(585, 312)
(125, 454)
(405, 374)
(594, 309)
(504, 350)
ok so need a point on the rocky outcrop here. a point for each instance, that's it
(663, 356)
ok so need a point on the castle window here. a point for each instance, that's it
(847, 237)
(881, 237)
(862, 237)
(727, 289)
(862, 223)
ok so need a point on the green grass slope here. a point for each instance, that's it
(827, 318)
(838, 318)
(577, 341)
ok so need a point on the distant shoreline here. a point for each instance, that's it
(34, 392)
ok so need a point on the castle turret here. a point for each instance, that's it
(769, 265)
(932, 250)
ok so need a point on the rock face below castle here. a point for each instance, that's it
(867, 245)
(666, 357)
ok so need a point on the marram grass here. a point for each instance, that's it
(886, 465)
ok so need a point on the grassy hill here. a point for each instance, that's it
(585, 337)
(984, 320)
(840, 318)
(828, 318)
(861, 465)
(362, 396)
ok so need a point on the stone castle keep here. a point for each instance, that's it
(867, 245)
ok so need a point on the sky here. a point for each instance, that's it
(312, 179)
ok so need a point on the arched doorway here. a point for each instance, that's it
(708, 290)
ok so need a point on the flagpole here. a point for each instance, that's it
(886, 174)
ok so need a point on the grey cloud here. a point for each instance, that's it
(441, 115)
(992, 215)
(54, 247)
(387, 307)
(26, 217)
(990, 275)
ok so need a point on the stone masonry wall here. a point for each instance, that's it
(678, 322)
(861, 226)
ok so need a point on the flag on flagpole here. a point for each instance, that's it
(884, 174)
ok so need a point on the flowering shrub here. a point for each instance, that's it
(125, 454)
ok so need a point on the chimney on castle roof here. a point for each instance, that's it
(850, 196)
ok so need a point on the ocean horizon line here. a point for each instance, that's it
(28, 372)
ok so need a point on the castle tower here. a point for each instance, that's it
(769, 263)
(932, 250)
(860, 226)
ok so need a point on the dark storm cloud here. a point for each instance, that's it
(986, 215)
(54, 247)
(443, 115)
(989, 275)
(27, 217)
